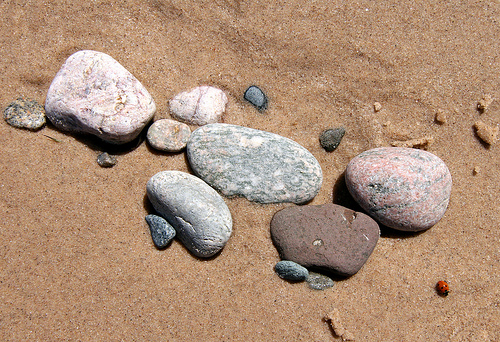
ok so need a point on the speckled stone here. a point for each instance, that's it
(256, 96)
(106, 160)
(168, 135)
(330, 139)
(329, 237)
(93, 93)
(25, 113)
(199, 106)
(261, 166)
(196, 211)
(319, 281)
(403, 188)
(161, 231)
(290, 270)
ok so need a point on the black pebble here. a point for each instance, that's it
(256, 97)
(161, 231)
(330, 139)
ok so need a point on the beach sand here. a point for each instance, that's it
(77, 262)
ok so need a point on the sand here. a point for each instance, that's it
(77, 261)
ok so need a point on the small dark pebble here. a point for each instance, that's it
(161, 231)
(290, 270)
(25, 113)
(318, 281)
(256, 97)
(106, 160)
(330, 138)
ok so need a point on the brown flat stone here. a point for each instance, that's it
(328, 237)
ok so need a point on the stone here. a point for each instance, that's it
(92, 93)
(25, 113)
(488, 134)
(319, 281)
(256, 96)
(199, 106)
(261, 166)
(106, 160)
(484, 103)
(161, 231)
(330, 138)
(168, 135)
(328, 237)
(403, 188)
(377, 107)
(290, 270)
(197, 212)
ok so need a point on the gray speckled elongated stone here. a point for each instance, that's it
(197, 212)
(261, 166)
(161, 231)
(290, 270)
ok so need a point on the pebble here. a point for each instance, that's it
(168, 135)
(256, 96)
(328, 237)
(319, 281)
(161, 231)
(377, 107)
(403, 188)
(488, 134)
(261, 166)
(290, 270)
(106, 160)
(330, 138)
(196, 211)
(199, 106)
(93, 93)
(25, 113)
(484, 103)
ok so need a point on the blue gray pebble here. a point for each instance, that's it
(256, 97)
(261, 166)
(318, 281)
(290, 270)
(161, 231)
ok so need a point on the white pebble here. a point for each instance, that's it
(199, 106)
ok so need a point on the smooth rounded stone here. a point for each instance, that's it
(319, 281)
(327, 237)
(403, 188)
(161, 231)
(93, 93)
(330, 138)
(261, 166)
(25, 113)
(199, 106)
(106, 160)
(168, 135)
(290, 270)
(198, 213)
(256, 96)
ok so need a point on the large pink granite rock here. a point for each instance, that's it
(93, 93)
(403, 188)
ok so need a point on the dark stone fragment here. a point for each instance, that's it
(161, 231)
(106, 160)
(256, 97)
(290, 270)
(330, 138)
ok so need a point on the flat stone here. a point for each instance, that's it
(256, 96)
(319, 281)
(93, 93)
(25, 113)
(330, 138)
(161, 231)
(403, 188)
(290, 270)
(199, 106)
(328, 237)
(261, 166)
(196, 211)
(168, 135)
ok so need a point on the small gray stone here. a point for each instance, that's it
(25, 113)
(106, 160)
(330, 138)
(161, 231)
(168, 135)
(290, 270)
(318, 281)
(256, 97)
(196, 211)
(261, 166)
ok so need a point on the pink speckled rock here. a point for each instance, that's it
(403, 188)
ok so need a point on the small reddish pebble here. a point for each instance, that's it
(442, 288)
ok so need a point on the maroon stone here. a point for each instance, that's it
(328, 237)
(403, 188)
